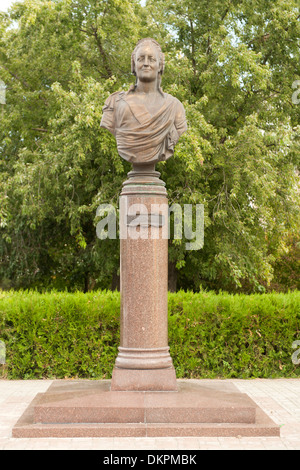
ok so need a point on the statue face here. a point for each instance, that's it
(147, 64)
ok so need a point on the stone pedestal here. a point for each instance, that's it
(143, 398)
(88, 408)
(144, 361)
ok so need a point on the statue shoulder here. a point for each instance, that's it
(108, 111)
(179, 114)
(174, 100)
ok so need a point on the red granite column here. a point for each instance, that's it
(144, 361)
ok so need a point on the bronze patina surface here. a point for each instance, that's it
(145, 121)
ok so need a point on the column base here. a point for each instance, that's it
(144, 358)
(130, 380)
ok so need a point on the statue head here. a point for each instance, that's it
(148, 45)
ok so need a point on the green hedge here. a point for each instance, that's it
(57, 335)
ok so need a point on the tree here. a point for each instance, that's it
(239, 61)
(59, 65)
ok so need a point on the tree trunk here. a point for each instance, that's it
(172, 276)
(115, 283)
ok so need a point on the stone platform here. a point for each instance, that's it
(87, 408)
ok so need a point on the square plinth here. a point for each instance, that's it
(149, 380)
(90, 409)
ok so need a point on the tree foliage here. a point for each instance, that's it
(232, 63)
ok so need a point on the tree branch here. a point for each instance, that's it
(39, 129)
(16, 76)
(225, 12)
(193, 47)
(265, 37)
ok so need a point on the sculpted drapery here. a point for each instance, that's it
(140, 136)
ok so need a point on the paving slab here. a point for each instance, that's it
(274, 396)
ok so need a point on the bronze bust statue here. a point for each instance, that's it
(145, 121)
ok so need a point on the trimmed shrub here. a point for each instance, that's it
(228, 335)
(58, 335)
